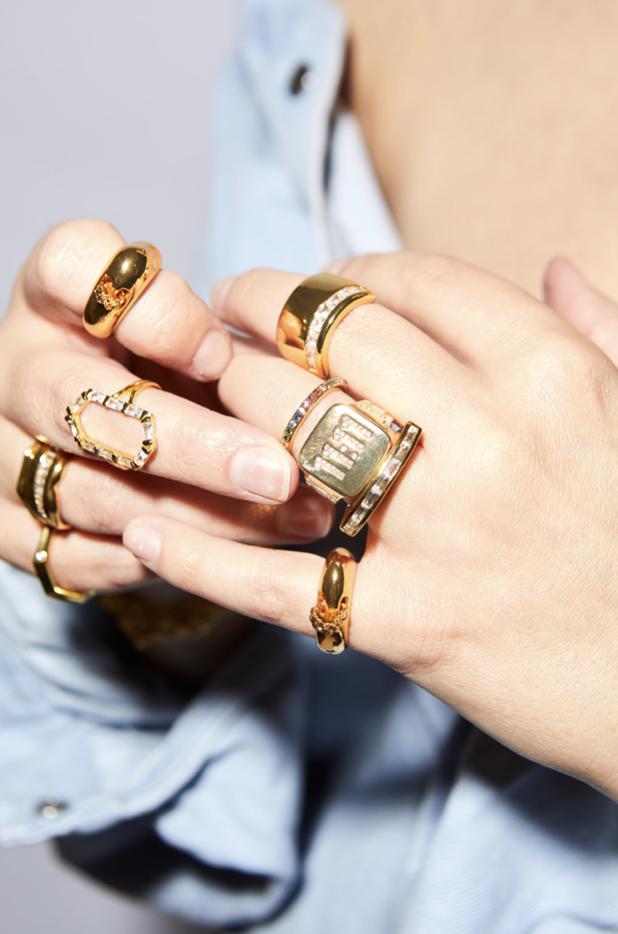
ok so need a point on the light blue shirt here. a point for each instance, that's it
(296, 793)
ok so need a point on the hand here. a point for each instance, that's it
(204, 457)
(489, 575)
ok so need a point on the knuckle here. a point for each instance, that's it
(94, 497)
(564, 368)
(433, 268)
(58, 264)
(120, 571)
(269, 597)
(244, 287)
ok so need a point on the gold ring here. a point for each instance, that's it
(122, 402)
(362, 508)
(355, 453)
(330, 617)
(119, 286)
(309, 318)
(41, 469)
(306, 406)
(51, 588)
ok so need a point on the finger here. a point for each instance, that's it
(101, 501)
(478, 317)
(381, 355)
(195, 446)
(77, 561)
(274, 586)
(169, 323)
(578, 302)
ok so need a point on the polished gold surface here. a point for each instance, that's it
(121, 402)
(330, 617)
(41, 566)
(306, 406)
(119, 286)
(376, 490)
(343, 452)
(41, 469)
(309, 318)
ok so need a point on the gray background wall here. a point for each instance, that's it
(103, 113)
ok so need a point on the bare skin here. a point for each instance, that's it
(491, 128)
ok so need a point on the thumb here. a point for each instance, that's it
(572, 297)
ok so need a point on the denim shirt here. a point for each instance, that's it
(295, 792)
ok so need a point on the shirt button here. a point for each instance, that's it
(300, 79)
(51, 810)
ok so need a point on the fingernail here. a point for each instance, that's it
(263, 472)
(309, 518)
(213, 355)
(219, 291)
(143, 541)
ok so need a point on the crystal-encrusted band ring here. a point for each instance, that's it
(122, 402)
(362, 508)
(330, 617)
(307, 405)
(41, 469)
(119, 286)
(310, 316)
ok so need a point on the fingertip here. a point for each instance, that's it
(142, 540)
(213, 355)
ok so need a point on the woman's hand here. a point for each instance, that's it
(490, 573)
(203, 457)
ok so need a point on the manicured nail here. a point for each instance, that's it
(143, 541)
(219, 292)
(263, 472)
(309, 518)
(213, 355)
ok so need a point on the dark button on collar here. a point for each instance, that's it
(300, 79)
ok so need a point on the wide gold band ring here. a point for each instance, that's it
(355, 453)
(123, 403)
(119, 286)
(41, 469)
(310, 316)
(330, 617)
(41, 566)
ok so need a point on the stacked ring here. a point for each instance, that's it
(310, 316)
(306, 406)
(121, 402)
(119, 286)
(355, 452)
(41, 469)
(330, 617)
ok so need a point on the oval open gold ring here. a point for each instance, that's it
(123, 403)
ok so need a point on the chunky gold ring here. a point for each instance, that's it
(309, 318)
(306, 406)
(122, 402)
(41, 469)
(330, 617)
(119, 286)
(51, 588)
(355, 453)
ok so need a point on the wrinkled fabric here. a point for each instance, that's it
(294, 793)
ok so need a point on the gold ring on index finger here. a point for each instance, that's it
(123, 403)
(310, 316)
(119, 286)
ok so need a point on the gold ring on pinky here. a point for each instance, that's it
(310, 316)
(123, 403)
(119, 286)
(41, 566)
(41, 469)
(355, 453)
(330, 617)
